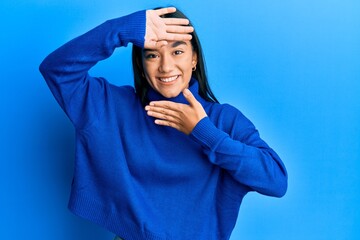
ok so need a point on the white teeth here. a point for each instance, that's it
(169, 79)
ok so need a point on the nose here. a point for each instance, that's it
(166, 64)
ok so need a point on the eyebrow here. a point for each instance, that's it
(173, 45)
(177, 43)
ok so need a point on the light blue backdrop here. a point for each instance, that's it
(291, 66)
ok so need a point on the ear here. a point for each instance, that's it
(194, 59)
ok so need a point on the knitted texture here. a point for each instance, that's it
(144, 181)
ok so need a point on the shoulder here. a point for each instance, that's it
(226, 112)
(229, 118)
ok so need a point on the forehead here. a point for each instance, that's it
(170, 45)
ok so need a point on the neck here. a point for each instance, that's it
(153, 95)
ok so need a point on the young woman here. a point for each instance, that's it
(164, 160)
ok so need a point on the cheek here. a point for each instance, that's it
(147, 72)
(149, 68)
(189, 62)
(188, 67)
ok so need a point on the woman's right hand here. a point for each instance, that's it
(161, 30)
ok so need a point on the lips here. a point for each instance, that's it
(168, 79)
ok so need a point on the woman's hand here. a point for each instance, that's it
(182, 117)
(160, 30)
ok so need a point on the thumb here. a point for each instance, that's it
(160, 43)
(152, 43)
(189, 97)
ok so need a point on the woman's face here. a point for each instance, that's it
(168, 69)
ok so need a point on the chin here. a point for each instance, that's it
(170, 95)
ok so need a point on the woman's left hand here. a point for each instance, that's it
(182, 117)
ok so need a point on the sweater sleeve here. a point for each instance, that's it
(243, 154)
(82, 97)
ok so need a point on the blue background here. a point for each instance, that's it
(291, 66)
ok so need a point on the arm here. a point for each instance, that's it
(243, 154)
(83, 97)
(65, 70)
(239, 149)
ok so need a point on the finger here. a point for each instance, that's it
(176, 21)
(163, 11)
(179, 29)
(168, 124)
(190, 97)
(163, 116)
(161, 112)
(166, 104)
(178, 37)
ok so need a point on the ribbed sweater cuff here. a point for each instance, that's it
(133, 27)
(207, 134)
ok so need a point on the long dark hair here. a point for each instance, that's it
(141, 84)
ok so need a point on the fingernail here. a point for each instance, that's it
(186, 92)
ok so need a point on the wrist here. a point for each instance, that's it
(129, 28)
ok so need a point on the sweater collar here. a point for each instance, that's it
(153, 95)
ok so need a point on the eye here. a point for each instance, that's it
(178, 52)
(150, 55)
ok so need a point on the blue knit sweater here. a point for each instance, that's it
(144, 181)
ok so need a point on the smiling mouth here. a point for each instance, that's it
(169, 79)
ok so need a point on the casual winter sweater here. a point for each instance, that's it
(144, 181)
